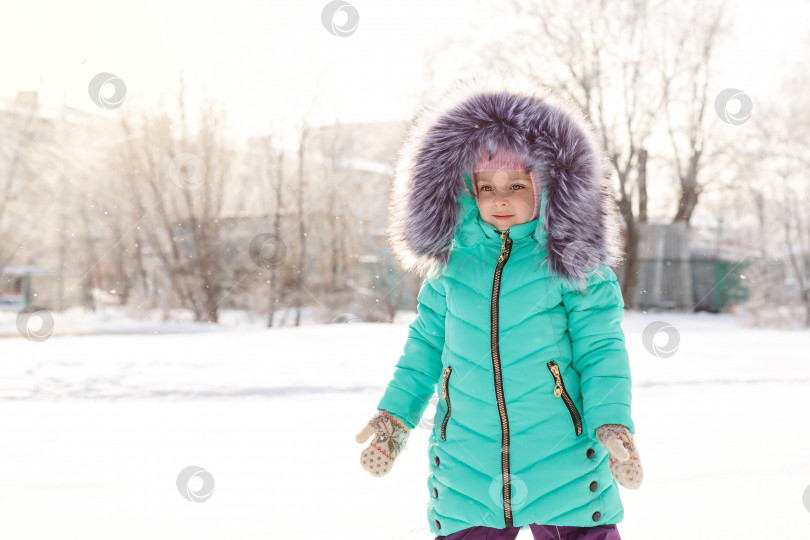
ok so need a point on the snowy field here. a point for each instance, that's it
(95, 429)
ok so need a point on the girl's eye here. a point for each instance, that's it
(490, 188)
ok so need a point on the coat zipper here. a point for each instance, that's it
(506, 248)
(446, 397)
(560, 391)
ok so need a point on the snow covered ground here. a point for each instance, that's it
(95, 429)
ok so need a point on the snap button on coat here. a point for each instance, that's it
(435, 492)
(438, 525)
(437, 461)
(594, 485)
(596, 516)
(590, 453)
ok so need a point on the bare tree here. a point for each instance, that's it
(299, 269)
(599, 54)
(268, 165)
(303, 140)
(797, 246)
(334, 146)
(620, 62)
(20, 131)
(276, 157)
(687, 76)
(176, 179)
(785, 130)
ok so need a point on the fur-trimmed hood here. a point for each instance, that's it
(579, 222)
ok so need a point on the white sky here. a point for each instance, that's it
(263, 57)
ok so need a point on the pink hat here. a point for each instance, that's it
(506, 160)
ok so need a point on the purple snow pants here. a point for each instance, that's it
(540, 532)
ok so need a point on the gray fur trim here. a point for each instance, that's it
(485, 113)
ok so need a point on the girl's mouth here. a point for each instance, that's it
(502, 217)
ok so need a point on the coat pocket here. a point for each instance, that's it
(561, 392)
(446, 398)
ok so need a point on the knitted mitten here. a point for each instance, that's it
(391, 438)
(624, 460)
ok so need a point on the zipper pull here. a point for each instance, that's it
(555, 370)
(503, 244)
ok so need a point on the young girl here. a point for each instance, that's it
(501, 201)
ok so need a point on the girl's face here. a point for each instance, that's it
(505, 198)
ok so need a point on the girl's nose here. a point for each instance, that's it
(501, 196)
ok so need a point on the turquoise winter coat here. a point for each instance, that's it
(526, 361)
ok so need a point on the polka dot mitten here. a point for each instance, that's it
(624, 460)
(391, 436)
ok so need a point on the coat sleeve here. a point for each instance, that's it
(417, 372)
(599, 353)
